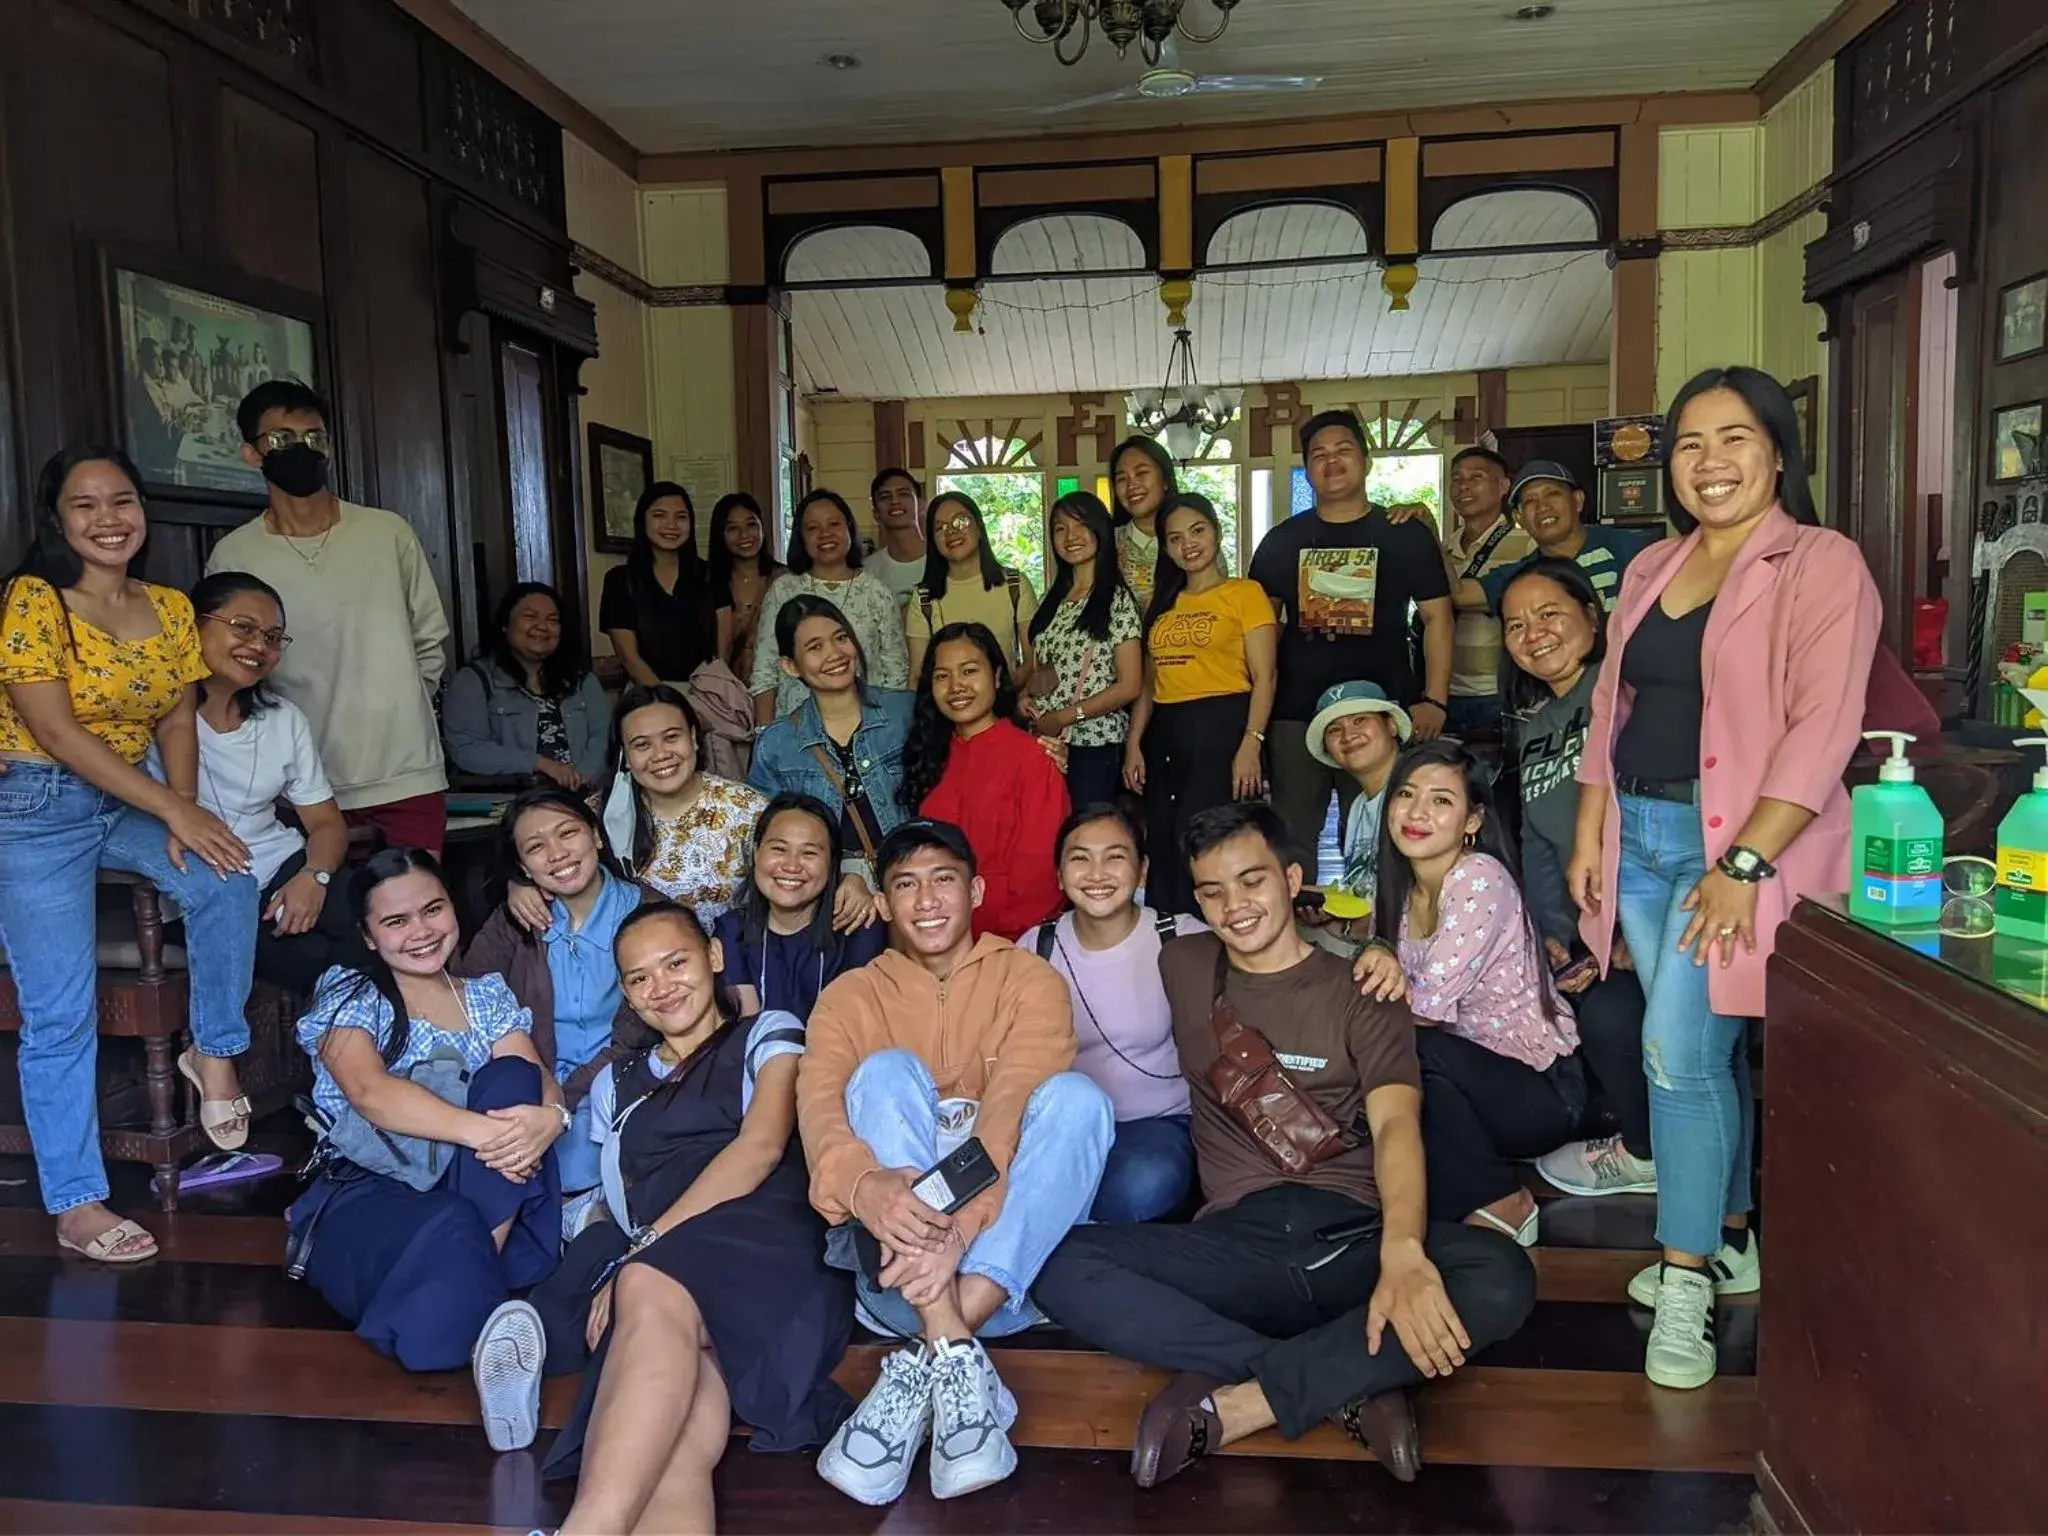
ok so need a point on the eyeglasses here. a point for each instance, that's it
(277, 439)
(960, 524)
(248, 631)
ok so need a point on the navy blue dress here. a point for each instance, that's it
(777, 1316)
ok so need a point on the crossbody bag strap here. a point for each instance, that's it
(1487, 546)
(860, 827)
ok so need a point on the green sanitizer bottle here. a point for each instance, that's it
(1895, 836)
(2020, 903)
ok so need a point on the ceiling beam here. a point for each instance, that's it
(1674, 109)
(441, 18)
(1816, 48)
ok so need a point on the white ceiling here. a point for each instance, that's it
(1059, 335)
(704, 74)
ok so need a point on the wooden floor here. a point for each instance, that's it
(204, 1392)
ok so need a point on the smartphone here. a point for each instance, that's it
(1581, 966)
(1308, 899)
(956, 1178)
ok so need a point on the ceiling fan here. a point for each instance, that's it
(1167, 81)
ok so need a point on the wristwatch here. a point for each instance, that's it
(568, 1119)
(1745, 865)
(321, 877)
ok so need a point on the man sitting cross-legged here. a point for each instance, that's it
(942, 1038)
(1291, 1298)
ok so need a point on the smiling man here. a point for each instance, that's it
(1549, 504)
(1296, 1295)
(943, 1040)
(897, 497)
(1484, 538)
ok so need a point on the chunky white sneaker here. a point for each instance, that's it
(1681, 1351)
(969, 1448)
(1602, 1167)
(1735, 1274)
(580, 1211)
(869, 1458)
(506, 1361)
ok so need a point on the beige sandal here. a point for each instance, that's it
(215, 1113)
(111, 1246)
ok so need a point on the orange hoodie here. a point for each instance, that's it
(992, 1031)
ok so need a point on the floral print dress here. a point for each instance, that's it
(705, 857)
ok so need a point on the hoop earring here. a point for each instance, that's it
(1471, 841)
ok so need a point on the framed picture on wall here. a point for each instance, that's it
(186, 343)
(2023, 318)
(1805, 396)
(621, 467)
(2016, 442)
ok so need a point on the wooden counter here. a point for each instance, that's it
(1903, 1364)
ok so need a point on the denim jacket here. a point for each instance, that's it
(784, 760)
(492, 724)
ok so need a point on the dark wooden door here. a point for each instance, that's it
(1881, 365)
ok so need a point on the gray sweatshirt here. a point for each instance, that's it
(1546, 744)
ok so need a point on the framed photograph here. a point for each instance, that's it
(1805, 396)
(621, 467)
(1631, 496)
(2016, 442)
(186, 344)
(2023, 318)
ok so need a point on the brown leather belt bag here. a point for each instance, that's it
(1290, 1127)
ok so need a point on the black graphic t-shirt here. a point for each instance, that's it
(1346, 589)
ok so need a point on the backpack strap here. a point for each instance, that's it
(924, 606)
(1048, 935)
(1166, 925)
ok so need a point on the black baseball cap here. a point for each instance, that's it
(919, 834)
(1541, 469)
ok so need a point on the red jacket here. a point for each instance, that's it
(1002, 790)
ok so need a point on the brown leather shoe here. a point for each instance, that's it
(1385, 1425)
(1175, 1431)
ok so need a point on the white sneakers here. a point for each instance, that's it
(580, 1211)
(1681, 1350)
(506, 1361)
(1600, 1167)
(949, 1391)
(1734, 1274)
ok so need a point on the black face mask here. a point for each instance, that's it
(297, 470)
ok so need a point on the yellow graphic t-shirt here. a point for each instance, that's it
(1198, 645)
(119, 689)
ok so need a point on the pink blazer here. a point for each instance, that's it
(1785, 665)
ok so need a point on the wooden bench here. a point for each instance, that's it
(145, 995)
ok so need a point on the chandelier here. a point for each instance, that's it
(1148, 23)
(1181, 414)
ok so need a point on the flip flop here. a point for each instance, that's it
(215, 1113)
(102, 1249)
(225, 1168)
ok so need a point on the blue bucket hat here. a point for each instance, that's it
(1360, 698)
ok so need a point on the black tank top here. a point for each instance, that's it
(1661, 738)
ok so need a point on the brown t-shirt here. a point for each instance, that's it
(1333, 1042)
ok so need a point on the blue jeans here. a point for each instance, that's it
(893, 1106)
(1151, 1166)
(1702, 1115)
(1472, 712)
(56, 833)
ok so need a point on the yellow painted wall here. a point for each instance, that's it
(1743, 305)
(690, 347)
(604, 214)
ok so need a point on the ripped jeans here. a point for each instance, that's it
(1702, 1110)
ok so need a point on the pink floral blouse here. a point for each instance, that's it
(1480, 974)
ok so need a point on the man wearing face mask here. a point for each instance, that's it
(365, 618)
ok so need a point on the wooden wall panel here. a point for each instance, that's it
(268, 193)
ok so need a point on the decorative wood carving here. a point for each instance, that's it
(1283, 408)
(1900, 67)
(280, 28)
(973, 446)
(495, 137)
(1092, 417)
(1387, 431)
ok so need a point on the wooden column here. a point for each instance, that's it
(755, 316)
(956, 206)
(889, 434)
(1632, 361)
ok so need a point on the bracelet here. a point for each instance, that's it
(1258, 736)
(1080, 710)
(1435, 703)
(853, 1194)
(568, 1117)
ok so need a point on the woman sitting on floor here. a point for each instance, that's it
(707, 1296)
(255, 751)
(779, 942)
(530, 705)
(551, 940)
(969, 763)
(1108, 947)
(97, 675)
(1500, 1078)
(437, 1195)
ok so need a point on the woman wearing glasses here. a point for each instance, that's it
(96, 691)
(964, 583)
(256, 750)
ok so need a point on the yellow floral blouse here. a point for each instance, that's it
(120, 689)
(705, 857)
